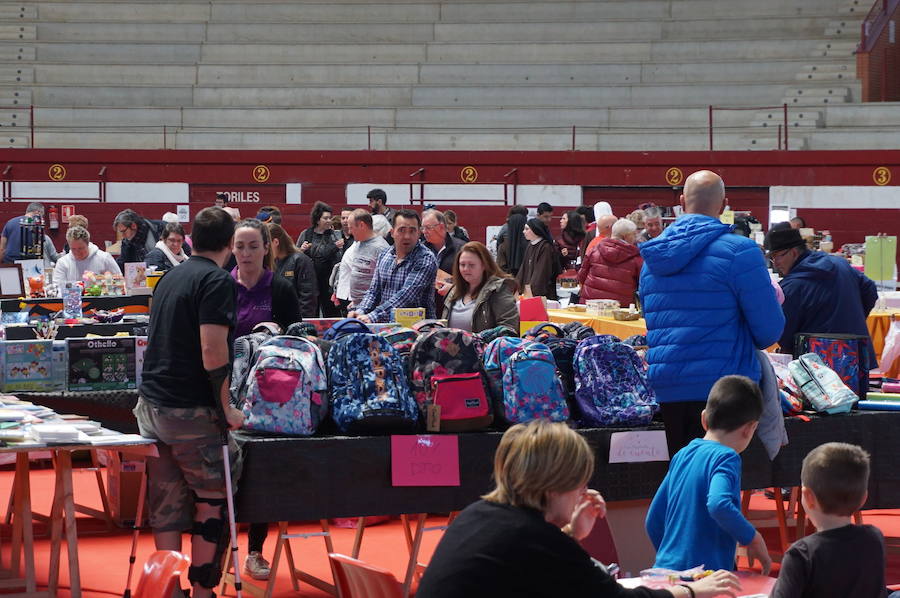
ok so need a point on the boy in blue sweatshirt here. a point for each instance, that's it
(695, 517)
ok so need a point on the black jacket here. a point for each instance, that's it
(298, 269)
(136, 248)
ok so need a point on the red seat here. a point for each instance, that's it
(161, 574)
(356, 579)
(600, 543)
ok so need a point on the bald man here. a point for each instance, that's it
(604, 230)
(709, 305)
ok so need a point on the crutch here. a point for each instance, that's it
(138, 521)
(229, 498)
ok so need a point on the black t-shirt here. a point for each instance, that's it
(844, 561)
(499, 551)
(196, 292)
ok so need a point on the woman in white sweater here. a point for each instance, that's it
(83, 255)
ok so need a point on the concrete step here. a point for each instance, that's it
(111, 74)
(817, 95)
(112, 96)
(17, 32)
(741, 28)
(872, 114)
(845, 28)
(118, 53)
(16, 75)
(290, 12)
(125, 12)
(14, 117)
(274, 118)
(721, 72)
(856, 138)
(836, 77)
(122, 32)
(854, 8)
(303, 96)
(15, 11)
(688, 9)
(831, 66)
(549, 12)
(796, 118)
(532, 74)
(17, 52)
(10, 139)
(107, 117)
(302, 53)
(271, 75)
(765, 141)
(15, 97)
(327, 33)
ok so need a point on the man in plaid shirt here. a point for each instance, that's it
(404, 276)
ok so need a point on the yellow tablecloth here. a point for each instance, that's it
(878, 323)
(601, 325)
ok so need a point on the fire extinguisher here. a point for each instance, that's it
(53, 218)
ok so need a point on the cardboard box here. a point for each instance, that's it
(102, 363)
(123, 488)
(27, 365)
(140, 347)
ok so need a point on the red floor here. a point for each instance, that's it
(104, 557)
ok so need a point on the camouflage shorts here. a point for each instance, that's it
(190, 462)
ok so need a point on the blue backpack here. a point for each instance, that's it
(284, 391)
(531, 386)
(496, 354)
(369, 390)
(611, 384)
(345, 327)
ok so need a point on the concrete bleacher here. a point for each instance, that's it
(426, 74)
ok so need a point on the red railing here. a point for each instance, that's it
(874, 23)
(783, 127)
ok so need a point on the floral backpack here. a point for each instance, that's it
(531, 386)
(284, 388)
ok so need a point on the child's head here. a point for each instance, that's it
(733, 402)
(838, 476)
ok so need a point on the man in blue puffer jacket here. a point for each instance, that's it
(709, 305)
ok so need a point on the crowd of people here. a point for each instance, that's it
(710, 306)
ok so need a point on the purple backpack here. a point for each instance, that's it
(611, 384)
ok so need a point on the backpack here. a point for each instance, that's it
(496, 354)
(301, 329)
(344, 327)
(245, 349)
(543, 331)
(369, 390)
(531, 387)
(439, 354)
(846, 354)
(496, 332)
(578, 331)
(821, 386)
(402, 339)
(284, 386)
(611, 384)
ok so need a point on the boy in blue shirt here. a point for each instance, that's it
(695, 517)
(841, 559)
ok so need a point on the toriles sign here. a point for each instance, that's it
(205, 195)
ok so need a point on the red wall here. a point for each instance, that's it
(624, 178)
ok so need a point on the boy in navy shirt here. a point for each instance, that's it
(695, 517)
(842, 559)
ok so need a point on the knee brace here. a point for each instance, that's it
(215, 531)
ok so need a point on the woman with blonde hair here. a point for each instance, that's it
(522, 538)
(482, 296)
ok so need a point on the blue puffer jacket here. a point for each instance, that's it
(709, 304)
(823, 293)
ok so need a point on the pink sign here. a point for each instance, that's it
(425, 460)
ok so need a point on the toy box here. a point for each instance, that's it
(28, 366)
(102, 363)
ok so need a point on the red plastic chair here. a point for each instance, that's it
(356, 579)
(161, 574)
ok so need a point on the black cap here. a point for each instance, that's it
(377, 194)
(783, 238)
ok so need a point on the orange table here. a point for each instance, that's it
(602, 325)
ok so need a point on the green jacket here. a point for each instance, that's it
(495, 305)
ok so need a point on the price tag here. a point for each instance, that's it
(425, 460)
(638, 446)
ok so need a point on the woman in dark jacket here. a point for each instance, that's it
(169, 250)
(569, 244)
(482, 296)
(297, 268)
(540, 264)
(511, 249)
(612, 268)
(323, 244)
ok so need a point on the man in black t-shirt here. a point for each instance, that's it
(184, 395)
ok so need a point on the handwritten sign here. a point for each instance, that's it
(638, 447)
(425, 460)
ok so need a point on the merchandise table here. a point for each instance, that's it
(133, 304)
(27, 333)
(602, 325)
(302, 479)
(62, 517)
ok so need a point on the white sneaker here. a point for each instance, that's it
(256, 566)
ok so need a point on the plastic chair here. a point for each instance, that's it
(600, 543)
(356, 579)
(161, 574)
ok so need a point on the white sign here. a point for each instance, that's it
(638, 447)
(184, 213)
